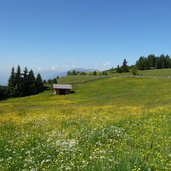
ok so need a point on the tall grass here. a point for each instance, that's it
(100, 138)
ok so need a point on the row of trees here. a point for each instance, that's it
(153, 62)
(145, 63)
(74, 72)
(24, 83)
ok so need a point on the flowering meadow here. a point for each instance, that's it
(47, 132)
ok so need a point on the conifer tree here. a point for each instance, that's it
(125, 67)
(11, 83)
(39, 83)
(18, 86)
(32, 83)
(25, 83)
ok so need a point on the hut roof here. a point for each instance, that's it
(62, 86)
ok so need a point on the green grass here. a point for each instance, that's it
(112, 123)
(157, 72)
(78, 79)
(124, 91)
(147, 73)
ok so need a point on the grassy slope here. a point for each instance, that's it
(113, 90)
(97, 128)
(79, 79)
(125, 91)
(157, 72)
(150, 73)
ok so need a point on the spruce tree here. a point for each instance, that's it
(18, 86)
(25, 83)
(125, 67)
(39, 83)
(11, 83)
(32, 83)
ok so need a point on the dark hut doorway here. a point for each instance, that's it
(62, 91)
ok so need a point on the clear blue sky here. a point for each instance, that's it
(61, 34)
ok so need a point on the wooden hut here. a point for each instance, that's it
(62, 89)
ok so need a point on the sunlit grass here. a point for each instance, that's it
(110, 124)
(146, 73)
(79, 79)
(99, 138)
(157, 72)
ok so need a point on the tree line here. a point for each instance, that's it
(74, 72)
(95, 73)
(22, 84)
(153, 62)
(145, 63)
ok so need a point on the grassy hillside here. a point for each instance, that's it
(79, 79)
(108, 124)
(157, 72)
(148, 73)
(121, 91)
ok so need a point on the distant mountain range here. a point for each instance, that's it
(84, 70)
(46, 74)
(52, 74)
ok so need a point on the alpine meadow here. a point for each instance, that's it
(125, 125)
(85, 85)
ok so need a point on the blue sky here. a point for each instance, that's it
(63, 34)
